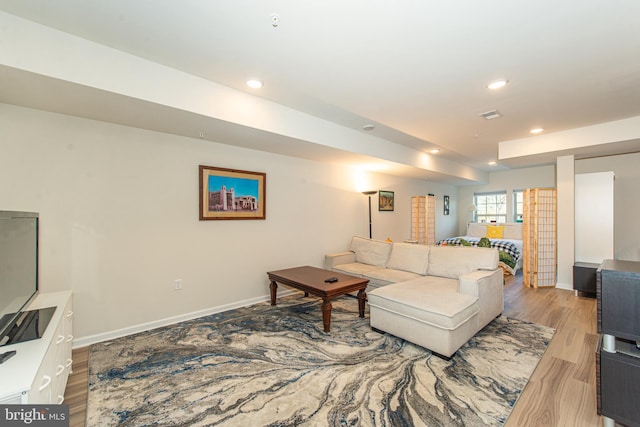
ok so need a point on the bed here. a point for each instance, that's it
(509, 243)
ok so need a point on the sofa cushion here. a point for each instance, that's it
(454, 261)
(437, 284)
(387, 276)
(430, 301)
(356, 268)
(409, 257)
(369, 251)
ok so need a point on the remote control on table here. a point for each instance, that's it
(331, 280)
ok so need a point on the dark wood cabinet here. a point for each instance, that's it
(620, 383)
(584, 277)
(618, 289)
(617, 354)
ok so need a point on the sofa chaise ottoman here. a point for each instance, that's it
(434, 296)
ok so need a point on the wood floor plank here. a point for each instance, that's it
(561, 391)
(77, 388)
(584, 370)
(578, 405)
(537, 404)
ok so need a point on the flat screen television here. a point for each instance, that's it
(18, 268)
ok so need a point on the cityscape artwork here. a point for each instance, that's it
(231, 194)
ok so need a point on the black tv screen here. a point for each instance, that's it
(18, 267)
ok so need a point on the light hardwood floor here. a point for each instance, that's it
(561, 391)
(75, 394)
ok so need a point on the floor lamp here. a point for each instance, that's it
(369, 193)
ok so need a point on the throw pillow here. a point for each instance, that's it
(476, 229)
(512, 231)
(495, 231)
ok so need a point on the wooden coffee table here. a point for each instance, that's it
(311, 280)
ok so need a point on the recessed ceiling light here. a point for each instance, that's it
(497, 84)
(435, 151)
(254, 83)
(368, 127)
(536, 130)
(492, 163)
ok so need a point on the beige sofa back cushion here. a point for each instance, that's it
(372, 252)
(409, 257)
(454, 261)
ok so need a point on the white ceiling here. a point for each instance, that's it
(417, 69)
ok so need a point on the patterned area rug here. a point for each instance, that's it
(274, 366)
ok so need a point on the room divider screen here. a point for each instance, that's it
(539, 237)
(423, 219)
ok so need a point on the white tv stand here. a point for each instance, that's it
(38, 373)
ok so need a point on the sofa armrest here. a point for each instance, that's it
(487, 286)
(331, 260)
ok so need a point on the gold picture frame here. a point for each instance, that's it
(231, 194)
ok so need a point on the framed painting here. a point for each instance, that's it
(385, 200)
(231, 194)
(446, 205)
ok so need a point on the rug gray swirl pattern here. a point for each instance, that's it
(274, 366)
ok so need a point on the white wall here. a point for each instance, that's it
(515, 179)
(565, 227)
(626, 200)
(119, 217)
(594, 222)
(396, 225)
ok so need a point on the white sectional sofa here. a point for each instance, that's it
(434, 296)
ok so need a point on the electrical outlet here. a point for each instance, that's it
(177, 284)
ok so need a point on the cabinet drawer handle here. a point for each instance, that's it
(69, 314)
(69, 338)
(60, 399)
(69, 362)
(46, 381)
(59, 370)
(60, 339)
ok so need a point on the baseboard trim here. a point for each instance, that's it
(106, 336)
(566, 286)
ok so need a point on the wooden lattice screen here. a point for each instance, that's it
(539, 237)
(423, 219)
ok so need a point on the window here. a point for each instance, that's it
(491, 206)
(517, 205)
